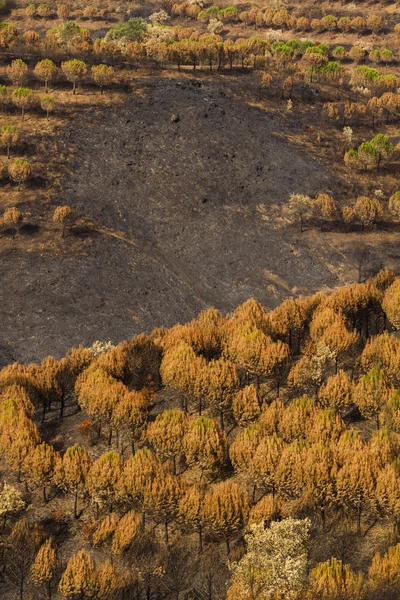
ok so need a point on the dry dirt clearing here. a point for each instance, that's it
(178, 186)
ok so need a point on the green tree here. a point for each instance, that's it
(48, 104)
(23, 99)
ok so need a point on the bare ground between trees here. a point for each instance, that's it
(177, 187)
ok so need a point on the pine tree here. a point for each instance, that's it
(205, 445)
(388, 494)
(166, 435)
(383, 575)
(267, 509)
(130, 415)
(265, 463)
(102, 480)
(179, 369)
(44, 567)
(137, 475)
(125, 532)
(337, 392)
(219, 382)
(191, 511)
(391, 303)
(289, 320)
(11, 502)
(371, 394)
(108, 581)
(105, 530)
(79, 578)
(333, 580)
(162, 499)
(73, 472)
(40, 466)
(22, 546)
(319, 477)
(226, 511)
(246, 405)
(383, 352)
(356, 483)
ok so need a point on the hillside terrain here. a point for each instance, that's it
(199, 300)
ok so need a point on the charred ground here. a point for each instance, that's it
(176, 187)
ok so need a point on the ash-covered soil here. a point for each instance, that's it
(180, 181)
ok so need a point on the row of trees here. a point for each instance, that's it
(46, 71)
(64, 12)
(134, 42)
(370, 154)
(376, 110)
(12, 217)
(280, 18)
(325, 210)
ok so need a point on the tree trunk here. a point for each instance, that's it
(62, 405)
(228, 546)
(253, 496)
(359, 521)
(166, 537)
(200, 539)
(76, 506)
(74, 87)
(8, 152)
